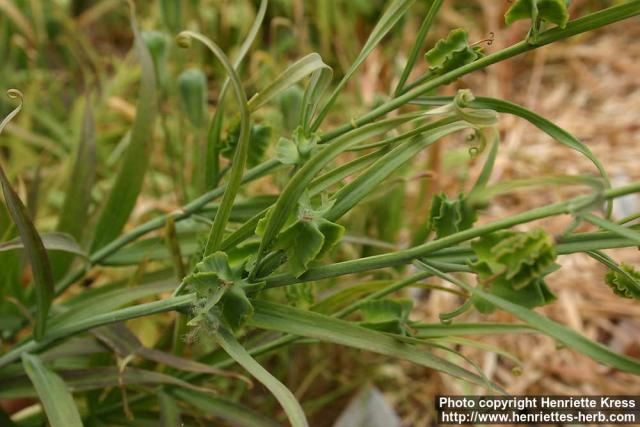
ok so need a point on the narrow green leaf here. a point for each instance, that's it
(129, 180)
(53, 393)
(314, 325)
(97, 378)
(52, 242)
(622, 231)
(169, 410)
(108, 301)
(387, 21)
(212, 165)
(288, 401)
(346, 296)
(434, 8)
(242, 151)
(437, 330)
(349, 195)
(74, 214)
(336, 175)
(93, 321)
(306, 66)
(289, 197)
(318, 84)
(42, 275)
(233, 412)
(487, 168)
(547, 326)
(125, 343)
(551, 129)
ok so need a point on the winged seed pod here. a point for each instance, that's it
(192, 86)
(625, 283)
(449, 216)
(538, 11)
(511, 265)
(452, 52)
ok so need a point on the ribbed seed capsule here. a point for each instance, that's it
(192, 86)
(157, 44)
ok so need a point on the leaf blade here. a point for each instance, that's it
(273, 316)
(288, 401)
(547, 326)
(42, 275)
(53, 393)
(130, 178)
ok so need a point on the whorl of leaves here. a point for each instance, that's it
(307, 236)
(220, 292)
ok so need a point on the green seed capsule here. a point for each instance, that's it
(290, 106)
(157, 44)
(192, 85)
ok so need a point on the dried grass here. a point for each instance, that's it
(590, 87)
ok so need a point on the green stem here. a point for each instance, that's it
(159, 222)
(589, 22)
(408, 255)
(65, 331)
(434, 7)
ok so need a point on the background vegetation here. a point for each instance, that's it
(114, 140)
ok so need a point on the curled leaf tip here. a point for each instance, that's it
(184, 39)
(13, 94)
